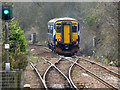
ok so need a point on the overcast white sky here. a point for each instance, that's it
(60, 0)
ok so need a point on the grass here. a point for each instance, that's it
(90, 19)
(39, 43)
(34, 58)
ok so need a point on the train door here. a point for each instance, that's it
(66, 32)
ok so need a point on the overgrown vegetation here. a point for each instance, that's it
(96, 20)
(90, 19)
(18, 47)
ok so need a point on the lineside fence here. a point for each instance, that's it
(12, 79)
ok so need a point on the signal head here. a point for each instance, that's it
(7, 12)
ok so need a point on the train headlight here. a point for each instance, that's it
(74, 39)
(59, 40)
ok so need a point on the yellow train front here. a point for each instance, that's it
(63, 35)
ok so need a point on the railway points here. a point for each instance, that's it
(56, 65)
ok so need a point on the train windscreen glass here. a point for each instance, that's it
(58, 29)
(74, 29)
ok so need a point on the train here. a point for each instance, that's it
(63, 35)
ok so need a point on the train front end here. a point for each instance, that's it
(67, 36)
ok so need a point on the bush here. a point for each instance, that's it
(90, 19)
(18, 47)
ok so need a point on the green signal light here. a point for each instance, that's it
(6, 12)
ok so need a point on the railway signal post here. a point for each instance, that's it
(6, 16)
(34, 38)
(7, 65)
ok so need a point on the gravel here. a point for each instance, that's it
(100, 72)
(78, 76)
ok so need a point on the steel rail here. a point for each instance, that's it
(35, 69)
(46, 72)
(52, 65)
(70, 69)
(69, 73)
(95, 76)
(110, 71)
(47, 48)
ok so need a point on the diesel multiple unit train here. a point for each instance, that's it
(63, 35)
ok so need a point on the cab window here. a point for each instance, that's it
(74, 29)
(58, 24)
(74, 23)
(58, 29)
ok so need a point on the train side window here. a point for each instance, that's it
(48, 29)
(51, 29)
(74, 29)
(58, 29)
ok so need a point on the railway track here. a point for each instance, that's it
(43, 85)
(66, 76)
(101, 71)
(69, 84)
(108, 70)
(92, 74)
(65, 66)
(70, 71)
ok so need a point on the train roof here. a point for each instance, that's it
(60, 19)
